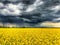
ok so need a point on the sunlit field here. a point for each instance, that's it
(29, 36)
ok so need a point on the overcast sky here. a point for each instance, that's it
(49, 9)
(18, 9)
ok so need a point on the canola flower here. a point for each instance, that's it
(29, 36)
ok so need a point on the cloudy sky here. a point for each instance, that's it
(15, 9)
(30, 13)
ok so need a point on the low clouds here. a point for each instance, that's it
(10, 9)
(34, 6)
(33, 15)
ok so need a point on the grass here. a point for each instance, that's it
(29, 36)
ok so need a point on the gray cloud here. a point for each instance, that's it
(17, 9)
(32, 15)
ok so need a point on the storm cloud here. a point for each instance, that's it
(30, 13)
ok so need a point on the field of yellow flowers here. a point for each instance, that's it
(29, 36)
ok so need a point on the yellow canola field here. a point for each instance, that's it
(29, 36)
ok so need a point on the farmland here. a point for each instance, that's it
(29, 36)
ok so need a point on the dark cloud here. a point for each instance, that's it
(28, 12)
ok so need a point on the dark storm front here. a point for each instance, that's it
(28, 13)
